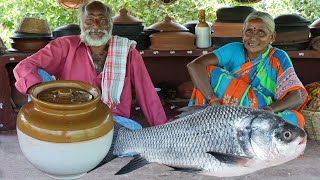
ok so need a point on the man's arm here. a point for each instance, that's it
(146, 94)
(48, 58)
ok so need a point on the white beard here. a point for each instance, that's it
(85, 36)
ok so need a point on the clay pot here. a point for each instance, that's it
(29, 45)
(292, 37)
(167, 26)
(291, 20)
(57, 129)
(315, 28)
(168, 35)
(315, 24)
(124, 18)
(185, 89)
(21, 35)
(166, 41)
(66, 30)
(233, 13)
(71, 4)
(221, 29)
(125, 24)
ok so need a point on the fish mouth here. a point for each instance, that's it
(304, 141)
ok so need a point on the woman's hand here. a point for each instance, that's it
(214, 101)
(292, 100)
(267, 108)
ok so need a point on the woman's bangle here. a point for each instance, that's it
(213, 99)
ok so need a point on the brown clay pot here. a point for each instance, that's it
(29, 45)
(315, 24)
(315, 28)
(221, 29)
(71, 4)
(291, 20)
(125, 24)
(185, 89)
(167, 26)
(172, 41)
(66, 30)
(124, 18)
(65, 123)
(233, 13)
(292, 37)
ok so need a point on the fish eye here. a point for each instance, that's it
(287, 135)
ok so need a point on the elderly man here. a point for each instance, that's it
(96, 57)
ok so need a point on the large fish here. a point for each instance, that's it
(217, 140)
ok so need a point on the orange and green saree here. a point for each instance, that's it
(255, 84)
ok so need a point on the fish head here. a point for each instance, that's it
(274, 140)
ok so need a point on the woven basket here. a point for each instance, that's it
(312, 123)
(33, 25)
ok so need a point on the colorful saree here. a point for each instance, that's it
(255, 84)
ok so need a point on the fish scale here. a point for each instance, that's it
(172, 136)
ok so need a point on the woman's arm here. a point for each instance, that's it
(199, 75)
(291, 100)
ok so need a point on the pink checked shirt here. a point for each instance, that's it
(66, 58)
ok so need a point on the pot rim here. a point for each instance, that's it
(36, 89)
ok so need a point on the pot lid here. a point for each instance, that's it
(125, 18)
(315, 24)
(68, 27)
(65, 95)
(291, 20)
(167, 25)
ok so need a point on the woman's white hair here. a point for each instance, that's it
(266, 18)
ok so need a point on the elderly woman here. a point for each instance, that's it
(251, 73)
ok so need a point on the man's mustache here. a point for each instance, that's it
(95, 30)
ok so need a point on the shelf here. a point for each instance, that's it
(175, 53)
(304, 54)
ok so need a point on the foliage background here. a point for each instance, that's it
(150, 11)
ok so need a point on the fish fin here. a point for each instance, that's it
(185, 169)
(230, 159)
(110, 156)
(136, 163)
(187, 110)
